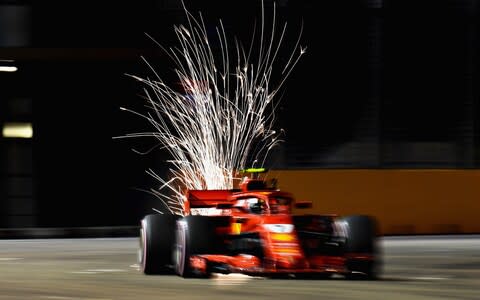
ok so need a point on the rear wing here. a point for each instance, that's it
(208, 198)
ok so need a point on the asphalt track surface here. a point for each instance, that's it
(438, 267)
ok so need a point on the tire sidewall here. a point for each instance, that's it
(142, 252)
(180, 251)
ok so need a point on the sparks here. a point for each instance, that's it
(223, 120)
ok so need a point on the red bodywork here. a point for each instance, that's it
(283, 250)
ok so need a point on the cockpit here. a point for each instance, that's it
(257, 205)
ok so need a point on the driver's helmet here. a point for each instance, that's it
(252, 205)
(257, 205)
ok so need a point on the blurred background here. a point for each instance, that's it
(385, 86)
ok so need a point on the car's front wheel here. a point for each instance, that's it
(361, 246)
(196, 235)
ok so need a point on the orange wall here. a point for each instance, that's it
(403, 201)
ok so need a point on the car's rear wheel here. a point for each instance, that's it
(156, 243)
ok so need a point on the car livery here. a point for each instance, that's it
(252, 230)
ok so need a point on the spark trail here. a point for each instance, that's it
(223, 120)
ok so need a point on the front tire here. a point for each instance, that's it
(195, 235)
(361, 239)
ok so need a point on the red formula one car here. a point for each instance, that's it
(252, 230)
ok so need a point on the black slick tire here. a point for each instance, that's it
(156, 243)
(361, 233)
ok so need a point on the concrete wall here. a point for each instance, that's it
(403, 201)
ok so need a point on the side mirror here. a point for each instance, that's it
(303, 204)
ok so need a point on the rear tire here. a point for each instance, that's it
(156, 243)
(361, 238)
